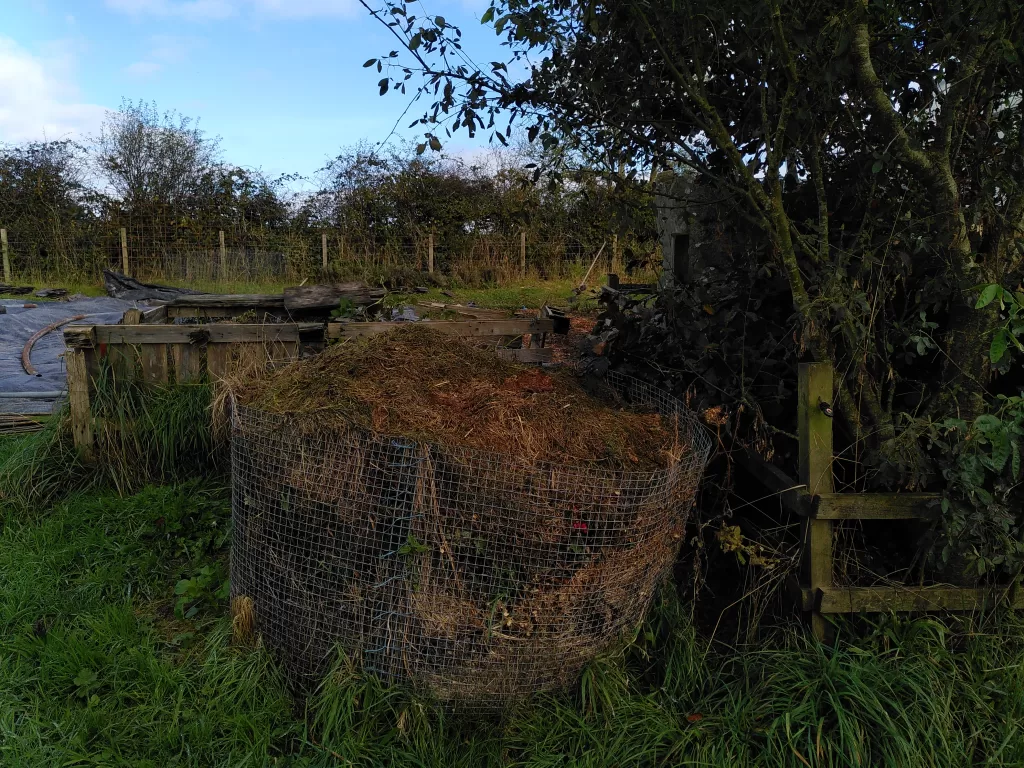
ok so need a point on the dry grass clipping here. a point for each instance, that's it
(427, 385)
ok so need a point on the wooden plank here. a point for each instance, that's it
(876, 506)
(132, 316)
(218, 313)
(218, 360)
(834, 600)
(78, 398)
(814, 428)
(475, 313)
(527, 355)
(80, 336)
(214, 332)
(154, 364)
(187, 359)
(512, 327)
(155, 315)
(308, 298)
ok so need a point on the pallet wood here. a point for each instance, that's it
(154, 364)
(814, 388)
(155, 315)
(876, 506)
(132, 316)
(172, 334)
(459, 327)
(187, 360)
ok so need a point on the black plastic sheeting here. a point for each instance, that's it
(16, 327)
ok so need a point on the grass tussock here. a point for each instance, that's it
(101, 663)
(422, 383)
(142, 435)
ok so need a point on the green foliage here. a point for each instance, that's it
(1011, 325)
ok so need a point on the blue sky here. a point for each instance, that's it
(280, 81)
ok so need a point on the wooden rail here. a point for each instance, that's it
(512, 327)
(813, 500)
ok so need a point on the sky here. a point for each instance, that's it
(281, 82)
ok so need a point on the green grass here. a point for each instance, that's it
(102, 664)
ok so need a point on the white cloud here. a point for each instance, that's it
(38, 99)
(205, 10)
(143, 68)
(162, 51)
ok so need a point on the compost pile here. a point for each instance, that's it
(428, 385)
(474, 526)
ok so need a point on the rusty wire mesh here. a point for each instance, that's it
(475, 577)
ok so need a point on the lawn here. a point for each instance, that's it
(115, 650)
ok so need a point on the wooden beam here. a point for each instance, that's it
(132, 316)
(172, 334)
(876, 506)
(223, 256)
(814, 428)
(901, 599)
(512, 327)
(306, 298)
(218, 300)
(80, 336)
(430, 253)
(323, 249)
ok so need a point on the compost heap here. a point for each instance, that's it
(429, 385)
(481, 578)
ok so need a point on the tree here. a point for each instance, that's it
(878, 147)
(153, 160)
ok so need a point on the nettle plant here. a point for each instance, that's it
(983, 507)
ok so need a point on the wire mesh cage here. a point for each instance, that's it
(475, 577)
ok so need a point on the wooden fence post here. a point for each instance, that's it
(430, 253)
(78, 399)
(7, 256)
(814, 427)
(614, 257)
(124, 252)
(323, 249)
(522, 253)
(223, 256)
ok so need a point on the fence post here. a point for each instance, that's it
(124, 252)
(323, 249)
(7, 256)
(430, 253)
(814, 428)
(613, 259)
(223, 256)
(522, 253)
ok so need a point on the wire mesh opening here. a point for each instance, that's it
(475, 577)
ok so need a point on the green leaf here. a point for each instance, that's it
(1000, 452)
(370, 62)
(998, 347)
(414, 41)
(435, 144)
(488, 16)
(182, 586)
(383, 86)
(439, 21)
(877, 166)
(421, 148)
(1015, 461)
(988, 295)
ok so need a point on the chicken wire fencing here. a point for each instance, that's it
(475, 577)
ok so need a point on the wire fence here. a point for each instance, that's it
(478, 578)
(70, 251)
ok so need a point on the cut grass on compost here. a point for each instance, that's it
(419, 382)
